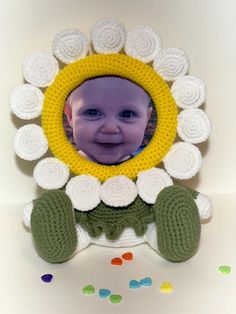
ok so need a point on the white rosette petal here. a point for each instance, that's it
(83, 191)
(27, 211)
(193, 126)
(189, 92)
(118, 191)
(151, 182)
(51, 173)
(183, 161)
(40, 69)
(26, 101)
(171, 63)
(108, 36)
(204, 205)
(30, 143)
(143, 43)
(70, 45)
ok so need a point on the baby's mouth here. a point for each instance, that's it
(108, 145)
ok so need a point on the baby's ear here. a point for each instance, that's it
(68, 112)
(149, 113)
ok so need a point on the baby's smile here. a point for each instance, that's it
(108, 145)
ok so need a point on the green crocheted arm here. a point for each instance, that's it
(177, 223)
(53, 226)
(192, 192)
(203, 202)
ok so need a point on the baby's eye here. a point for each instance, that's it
(128, 114)
(93, 113)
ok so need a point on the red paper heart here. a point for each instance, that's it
(128, 256)
(116, 261)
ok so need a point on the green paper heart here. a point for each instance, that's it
(225, 269)
(89, 289)
(115, 298)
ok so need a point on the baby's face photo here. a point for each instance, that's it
(108, 116)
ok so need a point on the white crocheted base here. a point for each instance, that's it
(205, 207)
(127, 239)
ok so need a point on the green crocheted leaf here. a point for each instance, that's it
(112, 221)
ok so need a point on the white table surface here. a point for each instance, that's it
(199, 288)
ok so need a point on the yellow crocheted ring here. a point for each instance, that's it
(99, 65)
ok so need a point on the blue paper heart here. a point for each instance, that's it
(146, 281)
(134, 284)
(104, 293)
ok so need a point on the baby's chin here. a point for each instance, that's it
(105, 159)
(110, 160)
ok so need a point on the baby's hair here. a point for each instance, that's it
(70, 96)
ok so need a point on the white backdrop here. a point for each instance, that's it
(204, 29)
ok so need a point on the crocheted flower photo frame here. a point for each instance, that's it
(136, 55)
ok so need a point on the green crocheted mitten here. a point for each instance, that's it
(178, 223)
(53, 226)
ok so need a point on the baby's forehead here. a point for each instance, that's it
(110, 87)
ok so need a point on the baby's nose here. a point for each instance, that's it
(110, 126)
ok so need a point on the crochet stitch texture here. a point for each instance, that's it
(99, 65)
(53, 226)
(167, 218)
(112, 221)
(178, 223)
(174, 213)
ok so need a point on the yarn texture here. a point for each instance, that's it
(174, 217)
(112, 222)
(53, 226)
(101, 204)
(113, 64)
(178, 223)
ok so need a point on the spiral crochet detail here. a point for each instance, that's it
(26, 101)
(53, 226)
(108, 36)
(178, 223)
(40, 69)
(70, 45)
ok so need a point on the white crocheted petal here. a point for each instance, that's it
(118, 191)
(83, 191)
(51, 173)
(143, 43)
(70, 45)
(204, 205)
(193, 126)
(30, 143)
(151, 182)
(27, 210)
(40, 69)
(26, 101)
(171, 63)
(183, 161)
(189, 92)
(108, 36)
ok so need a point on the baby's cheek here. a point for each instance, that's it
(135, 133)
(84, 133)
(79, 132)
